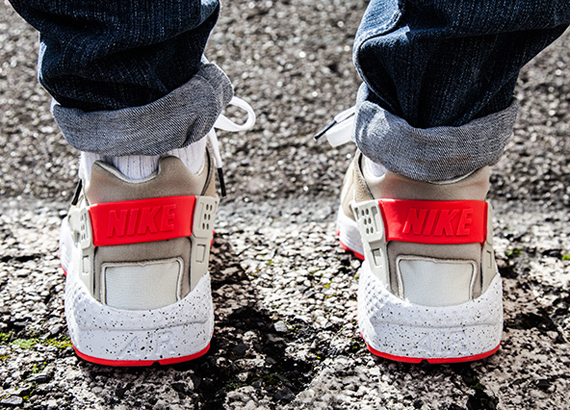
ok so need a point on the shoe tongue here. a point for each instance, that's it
(172, 179)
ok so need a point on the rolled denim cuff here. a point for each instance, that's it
(430, 154)
(181, 117)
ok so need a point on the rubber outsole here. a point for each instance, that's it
(416, 360)
(141, 363)
(138, 363)
(346, 248)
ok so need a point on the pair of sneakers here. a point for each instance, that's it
(138, 286)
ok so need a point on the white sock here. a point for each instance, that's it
(137, 167)
(373, 169)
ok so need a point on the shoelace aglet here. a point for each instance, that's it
(324, 130)
(340, 117)
(77, 192)
(222, 182)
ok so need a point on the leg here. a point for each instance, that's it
(448, 70)
(128, 78)
(435, 110)
(134, 94)
(113, 54)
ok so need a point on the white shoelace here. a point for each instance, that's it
(225, 124)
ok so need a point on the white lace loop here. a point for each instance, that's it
(225, 124)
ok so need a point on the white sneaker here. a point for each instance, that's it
(136, 253)
(136, 259)
(429, 286)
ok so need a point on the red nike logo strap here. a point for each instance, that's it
(434, 222)
(144, 220)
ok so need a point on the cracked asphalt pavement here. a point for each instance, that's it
(285, 293)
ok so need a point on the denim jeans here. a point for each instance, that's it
(113, 54)
(128, 77)
(437, 99)
(438, 76)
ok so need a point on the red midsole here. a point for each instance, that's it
(405, 359)
(138, 363)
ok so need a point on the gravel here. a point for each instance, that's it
(285, 293)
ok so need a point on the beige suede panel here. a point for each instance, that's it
(354, 187)
(362, 190)
(209, 187)
(347, 193)
(473, 187)
(172, 179)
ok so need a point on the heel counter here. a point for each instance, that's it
(433, 270)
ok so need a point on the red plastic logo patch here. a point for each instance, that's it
(144, 220)
(435, 222)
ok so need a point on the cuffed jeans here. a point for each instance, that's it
(437, 99)
(127, 77)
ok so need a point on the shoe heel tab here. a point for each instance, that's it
(479, 174)
(172, 178)
(104, 167)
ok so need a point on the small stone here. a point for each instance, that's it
(55, 329)
(284, 395)
(161, 405)
(281, 327)
(23, 391)
(52, 404)
(180, 387)
(257, 384)
(39, 378)
(240, 349)
(12, 401)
